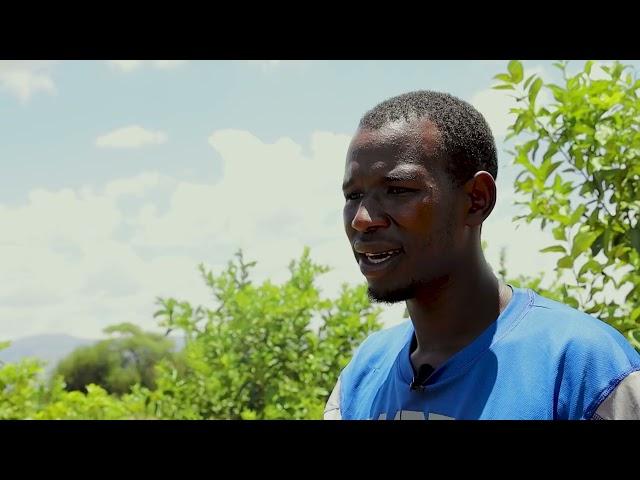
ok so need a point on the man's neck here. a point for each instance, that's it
(450, 315)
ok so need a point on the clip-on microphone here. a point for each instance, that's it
(424, 372)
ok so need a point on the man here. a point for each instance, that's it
(419, 182)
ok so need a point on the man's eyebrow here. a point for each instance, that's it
(401, 175)
(394, 176)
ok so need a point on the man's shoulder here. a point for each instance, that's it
(564, 323)
(596, 367)
(577, 341)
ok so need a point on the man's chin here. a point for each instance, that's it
(391, 295)
(423, 289)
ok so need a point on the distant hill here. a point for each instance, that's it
(51, 348)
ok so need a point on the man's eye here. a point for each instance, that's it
(353, 196)
(398, 190)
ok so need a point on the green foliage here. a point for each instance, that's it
(22, 392)
(267, 351)
(116, 364)
(580, 166)
(96, 404)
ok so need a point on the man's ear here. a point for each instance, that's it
(481, 198)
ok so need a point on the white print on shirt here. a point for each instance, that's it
(413, 415)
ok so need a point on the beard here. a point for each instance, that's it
(394, 295)
(423, 288)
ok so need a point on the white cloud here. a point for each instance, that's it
(24, 79)
(167, 64)
(265, 65)
(131, 65)
(124, 65)
(137, 185)
(64, 271)
(57, 215)
(495, 104)
(133, 136)
(273, 65)
(253, 200)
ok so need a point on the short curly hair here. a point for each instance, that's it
(468, 144)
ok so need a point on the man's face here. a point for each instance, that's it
(402, 214)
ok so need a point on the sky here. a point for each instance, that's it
(120, 177)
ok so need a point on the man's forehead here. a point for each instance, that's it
(419, 136)
(380, 165)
